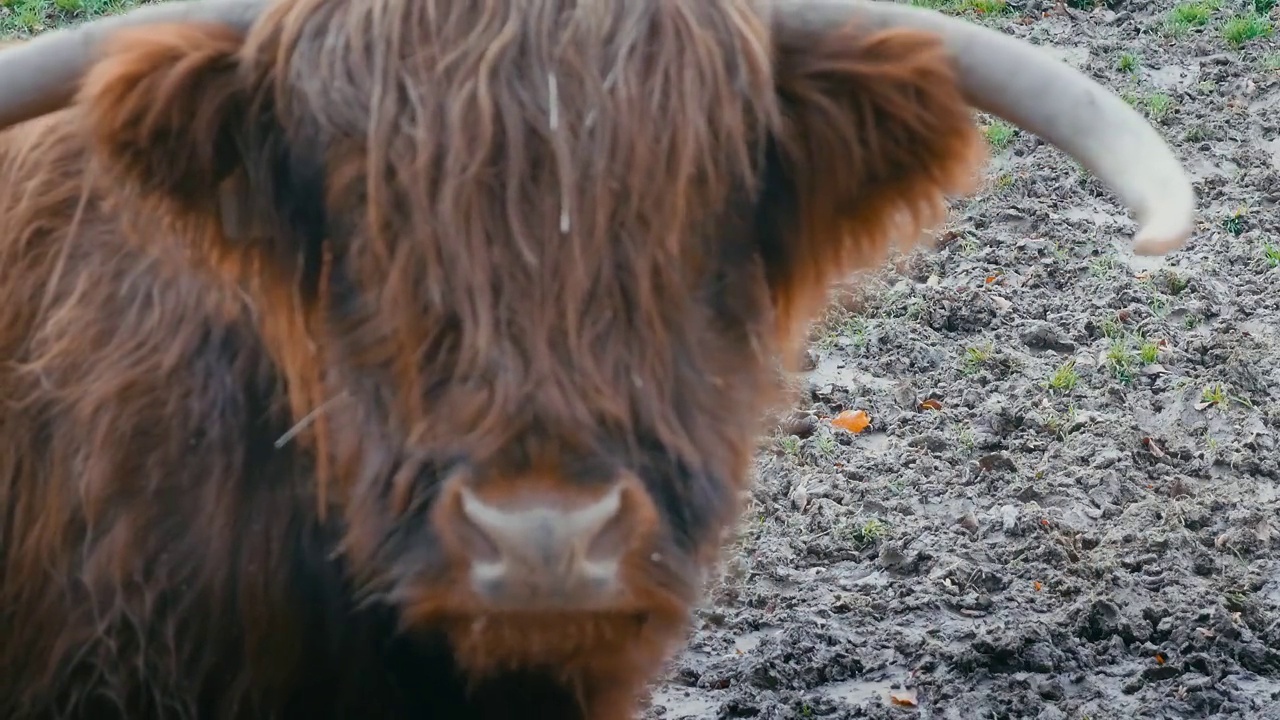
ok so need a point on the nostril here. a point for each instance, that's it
(617, 532)
(478, 544)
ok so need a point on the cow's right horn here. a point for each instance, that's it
(1023, 84)
(42, 75)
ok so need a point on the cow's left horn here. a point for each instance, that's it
(1017, 81)
(42, 75)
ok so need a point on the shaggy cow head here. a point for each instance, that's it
(529, 266)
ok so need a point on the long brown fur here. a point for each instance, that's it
(511, 238)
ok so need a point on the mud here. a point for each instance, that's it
(1086, 521)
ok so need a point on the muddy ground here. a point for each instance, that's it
(1089, 526)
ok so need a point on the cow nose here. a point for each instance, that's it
(547, 550)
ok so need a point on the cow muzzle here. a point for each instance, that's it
(546, 548)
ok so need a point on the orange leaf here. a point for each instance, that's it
(855, 421)
(907, 699)
(931, 404)
(1159, 659)
(1036, 584)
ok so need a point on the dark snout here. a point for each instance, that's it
(548, 547)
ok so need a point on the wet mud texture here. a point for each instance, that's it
(1085, 520)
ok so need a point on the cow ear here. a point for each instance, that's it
(874, 135)
(168, 111)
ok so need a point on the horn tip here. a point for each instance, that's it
(1164, 235)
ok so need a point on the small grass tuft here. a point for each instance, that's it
(1185, 16)
(1235, 223)
(1148, 353)
(1271, 253)
(1176, 281)
(1158, 106)
(1128, 63)
(976, 355)
(1103, 266)
(1241, 29)
(1214, 394)
(961, 7)
(1111, 329)
(1195, 134)
(789, 445)
(999, 135)
(983, 7)
(1120, 360)
(1065, 378)
(869, 532)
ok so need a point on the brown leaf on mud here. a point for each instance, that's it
(1036, 584)
(855, 421)
(1159, 659)
(906, 698)
(1153, 447)
(931, 404)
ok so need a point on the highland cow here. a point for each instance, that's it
(405, 358)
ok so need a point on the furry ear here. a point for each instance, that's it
(168, 112)
(183, 126)
(874, 135)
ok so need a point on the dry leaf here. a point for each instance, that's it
(906, 698)
(855, 421)
(931, 404)
(1036, 585)
(1153, 447)
(1159, 659)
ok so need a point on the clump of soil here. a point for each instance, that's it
(1068, 502)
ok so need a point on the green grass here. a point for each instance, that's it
(1235, 223)
(1271, 253)
(1128, 62)
(999, 134)
(1214, 394)
(1241, 29)
(1158, 105)
(1185, 16)
(975, 356)
(1064, 378)
(29, 17)
(1148, 353)
(1120, 360)
(966, 7)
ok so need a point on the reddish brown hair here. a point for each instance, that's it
(220, 449)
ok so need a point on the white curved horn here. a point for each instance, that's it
(42, 75)
(1021, 83)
